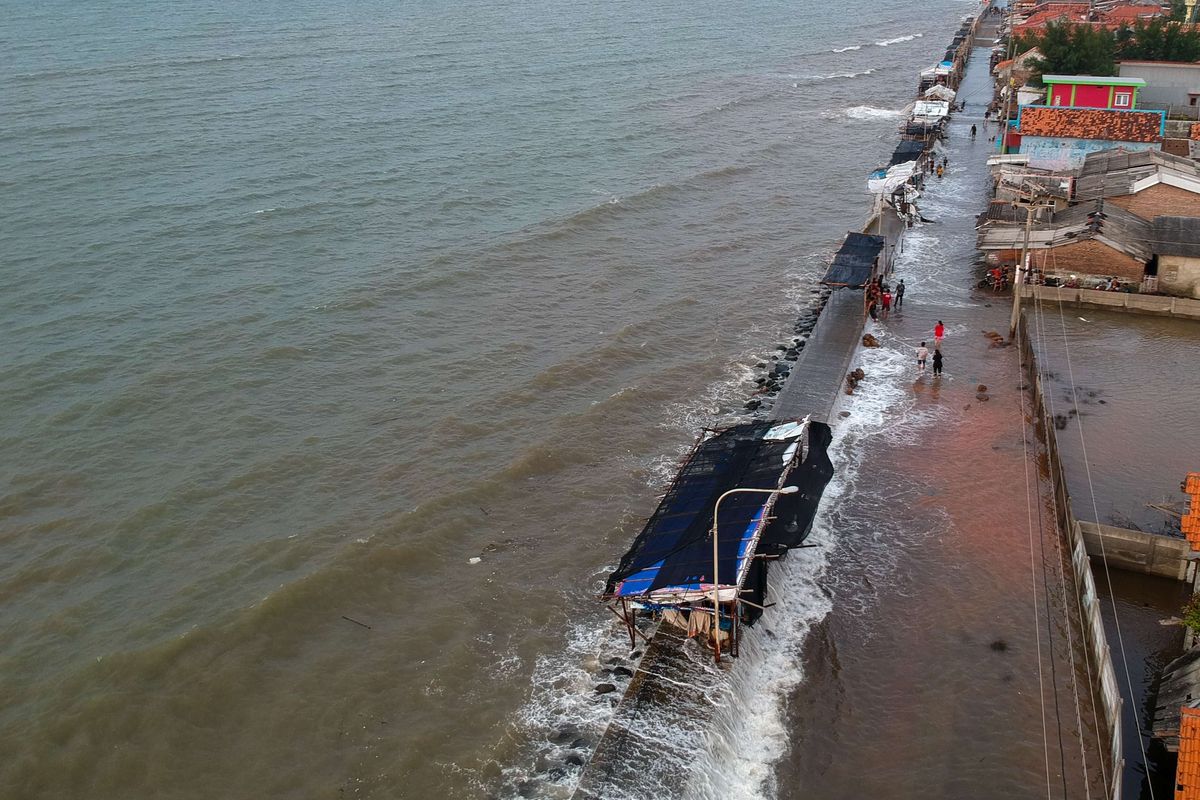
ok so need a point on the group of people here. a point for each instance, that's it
(939, 332)
(880, 296)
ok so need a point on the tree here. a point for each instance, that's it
(1158, 40)
(1069, 49)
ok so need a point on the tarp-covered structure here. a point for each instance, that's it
(855, 262)
(940, 92)
(669, 568)
(907, 150)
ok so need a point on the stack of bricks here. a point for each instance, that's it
(1191, 520)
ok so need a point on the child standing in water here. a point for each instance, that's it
(939, 331)
(937, 361)
(922, 355)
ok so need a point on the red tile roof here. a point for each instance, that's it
(1131, 14)
(1005, 64)
(1195, 132)
(1091, 123)
(1059, 12)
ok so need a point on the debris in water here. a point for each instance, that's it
(477, 559)
(999, 645)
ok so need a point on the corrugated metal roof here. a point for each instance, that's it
(1114, 173)
(1176, 236)
(1114, 226)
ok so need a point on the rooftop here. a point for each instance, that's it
(1177, 236)
(1091, 123)
(1097, 80)
(1114, 173)
(1115, 227)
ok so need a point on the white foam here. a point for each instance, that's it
(847, 49)
(899, 39)
(870, 113)
(834, 76)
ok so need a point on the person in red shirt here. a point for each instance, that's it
(939, 331)
(887, 302)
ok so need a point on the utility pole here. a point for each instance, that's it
(1018, 279)
(1030, 203)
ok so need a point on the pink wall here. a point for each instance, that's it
(1085, 96)
(1091, 96)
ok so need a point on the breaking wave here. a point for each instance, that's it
(899, 39)
(833, 76)
(847, 49)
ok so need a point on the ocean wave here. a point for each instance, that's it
(899, 39)
(862, 112)
(847, 49)
(833, 76)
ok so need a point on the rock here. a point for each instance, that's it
(981, 397)
(979, 388)
(777, 347)
(558, 773)
(760, 381)
(752, 405)
(791, 356)
(579, 743)
(625, 671)
(760, 365)
(638, 653)
(844, 414)
(870, 341)
(858, 376)
(605, 688)
(575, 760)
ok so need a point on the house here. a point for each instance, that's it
(1167, 83)
(1131, 14)
(1087, 239)
(1091, 91)
(1150, 183)
(1059, 13)
(1176, 245)
(1059, 139)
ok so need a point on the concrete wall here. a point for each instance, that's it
(1138, 551)
(1158, 200)
(1061, 154)
(1166, 84)
(1179, 276)
(1118, 301)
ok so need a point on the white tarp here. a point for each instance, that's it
(893, 179)
(930, 110)
(940, 92)
(935, 70)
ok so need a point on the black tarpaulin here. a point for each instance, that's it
(855, 260)
(907, 150)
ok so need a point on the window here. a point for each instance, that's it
(1121, 100)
